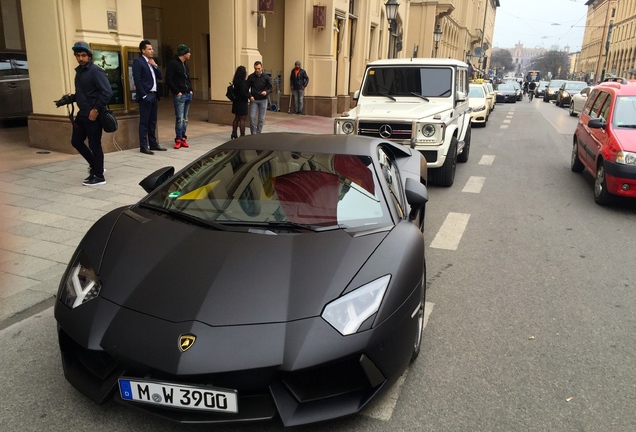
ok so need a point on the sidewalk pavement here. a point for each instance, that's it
(46, 210)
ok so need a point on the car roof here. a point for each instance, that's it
(317, 143)
(621, 87)
(417, 62)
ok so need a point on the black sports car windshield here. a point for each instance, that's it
(408, 81)
(277, 189)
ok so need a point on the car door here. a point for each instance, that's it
(579, 100)
(10, 96)
(594, 137)
(600, 136)
(21, 70)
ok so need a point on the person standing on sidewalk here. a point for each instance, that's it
(145, 74)
(298, 81)
(239, 105)
(178, 79)
(92, 93)
(260, 85)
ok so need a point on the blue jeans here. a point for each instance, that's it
(257, 107)
(181, 110)
(299, 96)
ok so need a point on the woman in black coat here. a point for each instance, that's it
(239, 105)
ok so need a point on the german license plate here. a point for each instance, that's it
(179, 396)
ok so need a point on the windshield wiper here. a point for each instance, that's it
(186, 217)
(388, 95)
(630, 126)
(419, 95)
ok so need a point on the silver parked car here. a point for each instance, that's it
(15, 87)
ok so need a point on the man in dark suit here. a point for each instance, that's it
(146, 73)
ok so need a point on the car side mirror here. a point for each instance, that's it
(356, 95)
(460, 96)
(416, 196)
(597, 123)
(156, 179)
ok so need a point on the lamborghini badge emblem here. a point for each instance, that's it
(186, 341)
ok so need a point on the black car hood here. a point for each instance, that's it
(181, 272)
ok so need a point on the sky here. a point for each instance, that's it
(540, 24)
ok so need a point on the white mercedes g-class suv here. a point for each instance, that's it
(420, 102)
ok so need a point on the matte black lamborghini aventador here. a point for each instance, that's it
(279, 274)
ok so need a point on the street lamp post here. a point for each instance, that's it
(392, 7)
(437, 36)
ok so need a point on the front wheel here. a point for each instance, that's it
(571, 109)
(601, 195)
(417, 345)
(445, 175)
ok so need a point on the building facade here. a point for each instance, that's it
(601, 15)
(333, 39)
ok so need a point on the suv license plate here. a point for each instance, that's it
(179, 396)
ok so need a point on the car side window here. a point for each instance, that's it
(5, 66)
(597, 105)
(605, 107)
(590, 101)
(392, 178)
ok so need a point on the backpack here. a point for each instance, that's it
(229, 93)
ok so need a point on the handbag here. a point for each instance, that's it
(229, 93)
(108, 120)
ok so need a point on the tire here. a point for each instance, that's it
(601, 195)
(571, 110)
(445, 175)
(463, 156)
(417, 345)
(575, 163)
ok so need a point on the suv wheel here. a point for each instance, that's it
(463, 156)
(445, 175)
(601, 195)
(575, 162)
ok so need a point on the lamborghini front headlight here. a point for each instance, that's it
(347, 313)
(81, 284)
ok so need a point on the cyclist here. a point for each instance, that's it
(531, 87)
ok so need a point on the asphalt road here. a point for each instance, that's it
(531, 299)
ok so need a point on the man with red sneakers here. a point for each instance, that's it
(178, 79)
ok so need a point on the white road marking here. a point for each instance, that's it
(507, 121)
(487, 160)
(451, 231)
(474, 184)
(503, 127)
(382, 409)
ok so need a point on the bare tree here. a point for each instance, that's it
(500, 59)
(553, 62)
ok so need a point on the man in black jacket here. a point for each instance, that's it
(178, 79)
(298, 80)
(260, 86)
(92, 93)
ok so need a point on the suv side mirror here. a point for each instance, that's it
(356, 95)
(460, 96)
(597, 123)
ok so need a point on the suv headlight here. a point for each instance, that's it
(81, 283)
(347, 313)
(626, 158)
(347, 127)
(428, 130)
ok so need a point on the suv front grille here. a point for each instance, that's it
(386, 130)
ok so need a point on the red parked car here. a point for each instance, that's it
(605, 139)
